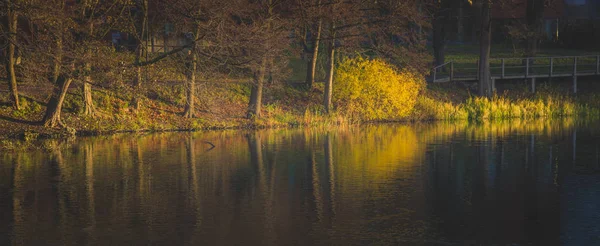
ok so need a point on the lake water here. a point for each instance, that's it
(511, 183)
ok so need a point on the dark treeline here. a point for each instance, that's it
(522, 21)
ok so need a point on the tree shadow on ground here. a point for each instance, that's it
(20, 121)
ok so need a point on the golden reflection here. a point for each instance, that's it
(374, 153)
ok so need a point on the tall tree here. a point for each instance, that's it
(256, 92)
(211, 39)
(199, 22)
(11, 21)
(87, 14)
(328, 93)
(59, 78)
(314, 50)
(86, 37)
(311, 23)
(141, 28)
(485, 88)
(266, 41)
(535, 18)
(339, 12)
(441, 19)
(476, 23)
(191, 78)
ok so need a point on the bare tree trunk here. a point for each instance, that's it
(10, 56)
(191, 92)
(89, 108)
(484, 51)
(138, 56)
(330, 70)
(440, 24)
(257, 90)
(312, 63)
(61, 85)
(54, 108)
(259, 77)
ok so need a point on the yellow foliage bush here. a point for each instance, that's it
(373, 90)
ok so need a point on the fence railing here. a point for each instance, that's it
(512, 68)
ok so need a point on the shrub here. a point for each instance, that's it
(373, 90)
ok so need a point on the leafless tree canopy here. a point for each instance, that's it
(127, 44)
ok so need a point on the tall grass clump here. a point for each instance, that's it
(373, 90)
(428, 108)
(502, 107)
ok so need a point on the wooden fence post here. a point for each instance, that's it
(451, 71)
(502, 75)
(575, 75)
(597, 64)
(551, 66)
(526, 67)
(477, 69)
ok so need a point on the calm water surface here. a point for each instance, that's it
(512, 183)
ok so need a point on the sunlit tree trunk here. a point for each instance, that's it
(484, 51)
(312, 63)
(89, 108)
(330, 70)
(10, 53)
(61, 85)
(138, 55)
(54, 108)
(191, 90)
(257, 90)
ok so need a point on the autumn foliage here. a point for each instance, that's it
(371, 89)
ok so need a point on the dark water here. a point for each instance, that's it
(513, 183)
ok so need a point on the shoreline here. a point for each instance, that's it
(223, 107)
(21, 140)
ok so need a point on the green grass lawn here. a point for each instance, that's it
(469, 53)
